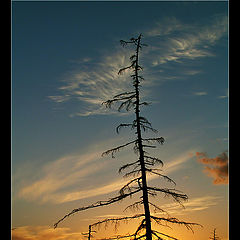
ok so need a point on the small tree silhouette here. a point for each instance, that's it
(145, 163)
(214, 237)
(89, 233)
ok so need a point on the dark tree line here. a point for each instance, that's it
(143, 165)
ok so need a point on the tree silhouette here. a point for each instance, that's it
(89, 234)
(214, 237)
(144, 165)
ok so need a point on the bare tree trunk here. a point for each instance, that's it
(89, 232)
(141, 152)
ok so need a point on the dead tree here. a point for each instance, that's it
(89, 233)
(214, 237)
(143, 165)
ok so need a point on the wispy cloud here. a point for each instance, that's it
(178, 41)
(116, 185)
(61, 174)
(200, 93)
(193, 205)
(224, 96)
(43, 233)
(63, 180)
(96, 85)
(170, 41)
(217, 167)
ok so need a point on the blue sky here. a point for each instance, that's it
(65, 59)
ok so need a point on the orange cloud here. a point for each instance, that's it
(59, 180)
(43, 233)
(217, 167)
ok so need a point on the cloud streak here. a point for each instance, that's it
(113, 186)
(193, 205)
(61, 179)
(96, 85)
(60, 175)
(170, 41)
(216, 168)
(43, 233)
(200, 93)
(181, 41)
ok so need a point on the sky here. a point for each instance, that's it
(65, 60)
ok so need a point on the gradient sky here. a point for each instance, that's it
(65, 59)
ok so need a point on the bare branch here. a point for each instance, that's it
(116, 149)
(144, 124)
(159, 238)
(156, 232)
(141, 226)
(156, 208)
(145, 128)
(154, 160)
(149, 146)
(116, 220)
(178, 197)
(118, 237)
(125, 68)
(134, 206)
(126, 186)
(97, 204)
(127, 166)
(133, 173)
(124, 43)
(144, 120)
(161, 175)
(123, 125)
(145, 103)
(123, 94)
(136, 238)
(127, 104)
(117, 98)
(159, 140)
(188, 225)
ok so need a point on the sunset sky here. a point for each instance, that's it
(65, 60)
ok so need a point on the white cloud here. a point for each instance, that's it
(60, 98)
(169, 41)
(200, 93)
(116, 185)
(176, 41)
(61, 179)
(224, 96)
(192, 205)
(96, 85)
(60, 174)
(167, 26)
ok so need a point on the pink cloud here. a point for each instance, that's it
(217, 167)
